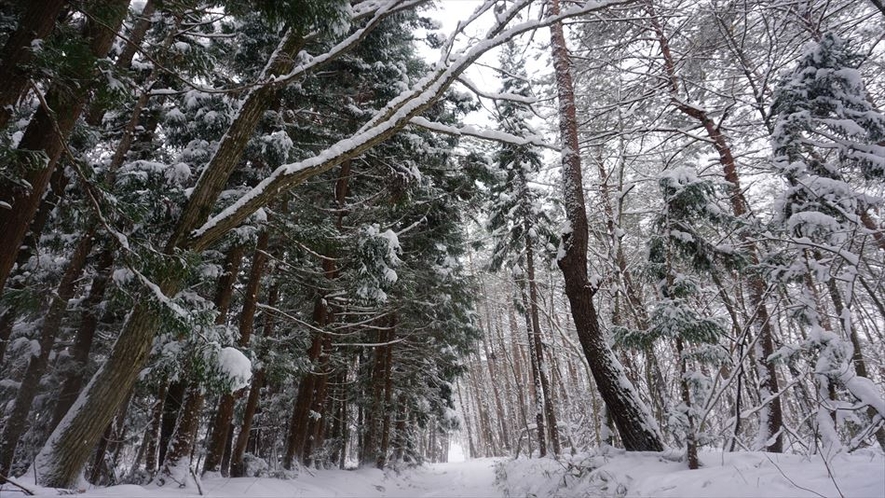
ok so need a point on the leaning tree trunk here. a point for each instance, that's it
(37, 21)
(46, 135)
(16, 420)
(635, 424)
(771, 419)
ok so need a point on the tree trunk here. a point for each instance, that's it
(16, 421)
(152, 435)
(175, 466)
(771, 420)
(237, 466)
(635, 424)
(36, 22)
(46, 134)
(76, 369)
(224, 413)
(549, 412)
(384, 446)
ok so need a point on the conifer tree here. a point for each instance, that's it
(827, 147)
(521, 227)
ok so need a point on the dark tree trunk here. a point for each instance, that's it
(174, 401)
(36, 22)
(237, 466)
(76, 370)
(174, 468)
(225, 412)
(16, 421)
(384, 445)
(46, 135)
(188, 418)
(152, 435)
(635, 424)
(298, 425)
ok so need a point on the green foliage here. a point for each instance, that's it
(301, 15)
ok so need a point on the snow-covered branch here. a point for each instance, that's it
(387, 122)
(511, 97)
(472, 131)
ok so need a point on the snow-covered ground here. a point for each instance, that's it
(740, 474)
(472, 478)
(612, 473)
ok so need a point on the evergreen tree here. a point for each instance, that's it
(827, 147)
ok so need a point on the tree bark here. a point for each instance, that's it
(174, 468)
(237, 466)
(635, 424)
(549, 411)
(36, 23)
(225, 411)
(534, 356)
(16, 421)
(45, 136)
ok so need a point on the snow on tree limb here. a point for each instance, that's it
(472, 131)
(388, 121)
(512, 97)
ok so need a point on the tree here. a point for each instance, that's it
(635, 424)
(826, 147)
(520, 226)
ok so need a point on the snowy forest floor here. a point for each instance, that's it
(613, 473)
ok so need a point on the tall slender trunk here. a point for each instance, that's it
(16, 421)
(224, 414)
(183, 439)
(152, 434)
(534, 356)
(549, 411)
(46, 134)
(35, 24)
(175, 466)
(237, 466)
(771, 419)
(635, 424)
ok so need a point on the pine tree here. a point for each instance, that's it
(826, 147)
(520, 227)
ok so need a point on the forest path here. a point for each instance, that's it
(471, 478)
(467, 479)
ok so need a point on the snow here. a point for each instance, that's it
(742, 474)
(473, 478)
(236, 366)
(607, 472)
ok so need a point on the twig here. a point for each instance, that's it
(794, 482)
(19, 486)
(197, 482)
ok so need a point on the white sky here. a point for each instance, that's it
(448, 13)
